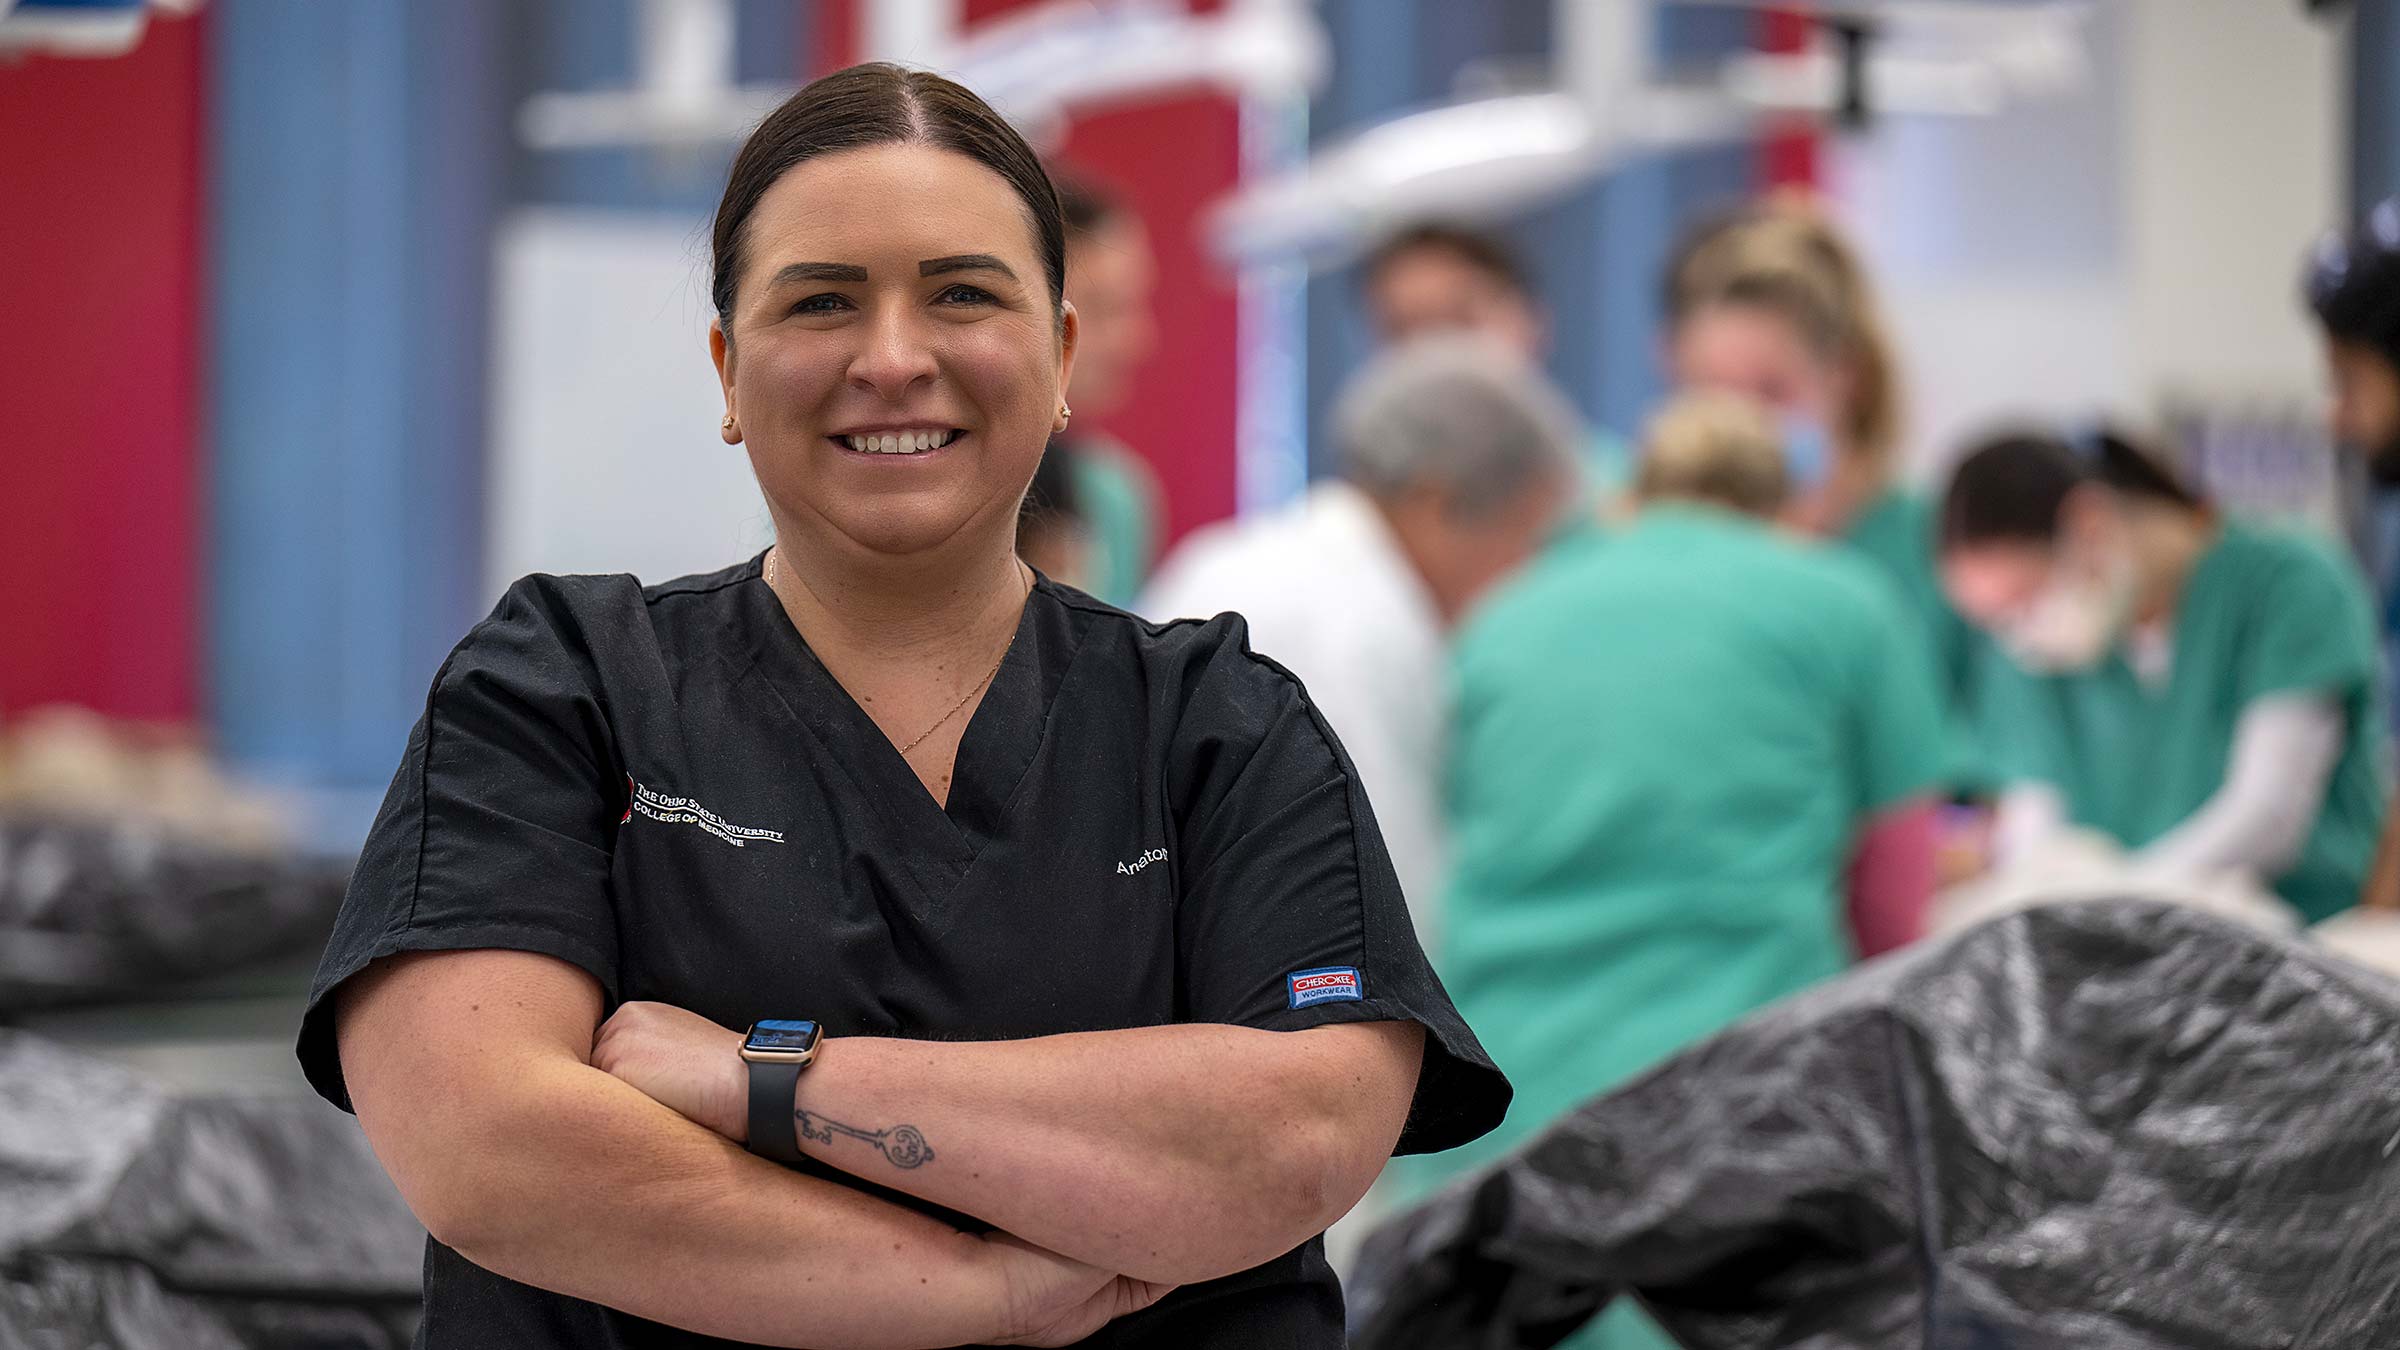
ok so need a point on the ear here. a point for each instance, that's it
(1070, 330)
(720, 352)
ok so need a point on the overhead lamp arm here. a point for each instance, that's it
(1853, 39)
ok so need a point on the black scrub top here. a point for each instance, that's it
(1147, 825)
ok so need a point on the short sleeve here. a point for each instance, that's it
(498, 828)
(1289, 913)
(2313, 630)
(1904, 742)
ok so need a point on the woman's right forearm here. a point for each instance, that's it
(567, 1179)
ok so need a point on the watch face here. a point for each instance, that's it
(781, 1035)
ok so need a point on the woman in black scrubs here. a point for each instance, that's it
(1118, 1001)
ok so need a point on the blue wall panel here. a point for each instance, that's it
(352, 186)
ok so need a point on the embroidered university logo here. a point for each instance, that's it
(684, 811)
(1325, 985)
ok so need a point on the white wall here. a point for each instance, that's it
(2235, 152)
(2135, 242)
(605, 453)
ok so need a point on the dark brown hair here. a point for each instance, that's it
(1483, 252)
(877, 104)
(2012, 487)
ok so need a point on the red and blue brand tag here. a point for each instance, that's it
(1326, 985)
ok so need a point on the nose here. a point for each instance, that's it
(893, 355)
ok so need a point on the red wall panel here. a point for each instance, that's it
(99, 417)
(1169, 158)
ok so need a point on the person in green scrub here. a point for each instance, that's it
(1672, 744)
(1771, 302)
(1110, 271)
(2204, 691)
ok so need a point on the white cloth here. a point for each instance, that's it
(1328, 593)
(2076, 865)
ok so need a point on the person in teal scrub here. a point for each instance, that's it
(1673, 746)
(2204, 691)
(1120, 504)
(1771, 302)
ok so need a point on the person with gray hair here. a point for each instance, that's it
(1455, 461)
(1690, 771)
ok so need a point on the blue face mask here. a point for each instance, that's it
(1807, 451)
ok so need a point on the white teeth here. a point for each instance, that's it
(900, 443)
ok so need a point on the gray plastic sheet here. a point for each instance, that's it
(131, 1218)
(2114, 1124)
(96, 911)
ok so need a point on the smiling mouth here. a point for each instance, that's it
(902, 443)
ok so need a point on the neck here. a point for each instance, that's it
(881, 610)
(1415, 538)
(2168, 543)
(1851, 482)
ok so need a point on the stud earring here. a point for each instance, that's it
(727, 425)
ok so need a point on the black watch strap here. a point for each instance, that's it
(772, 1131)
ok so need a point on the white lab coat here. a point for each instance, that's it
(1329, 595)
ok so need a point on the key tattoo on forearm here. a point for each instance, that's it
(903, 1145)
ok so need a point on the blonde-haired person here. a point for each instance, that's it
(1771, 302)
(1677, 750)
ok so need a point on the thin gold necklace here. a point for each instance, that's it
(988, 676)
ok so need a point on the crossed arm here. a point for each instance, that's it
(1114, 1163)
(1171, 1154)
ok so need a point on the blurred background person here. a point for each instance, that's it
(1441, 277)
(2353, 289)
(1770, 302)
(1678, 750)
(1435, 277)
(1110, 272)
(2204, 691)
(1455, 461)
(1052, 534)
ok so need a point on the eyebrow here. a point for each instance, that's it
(851, 272)
(964, 262)
(818, 271)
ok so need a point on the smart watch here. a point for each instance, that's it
(777, 1050)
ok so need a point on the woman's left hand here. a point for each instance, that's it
(682, 1060)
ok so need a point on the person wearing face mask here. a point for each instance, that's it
(1770, 302)
(1680, 752)
(2204, 691)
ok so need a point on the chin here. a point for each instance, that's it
(899, 529)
